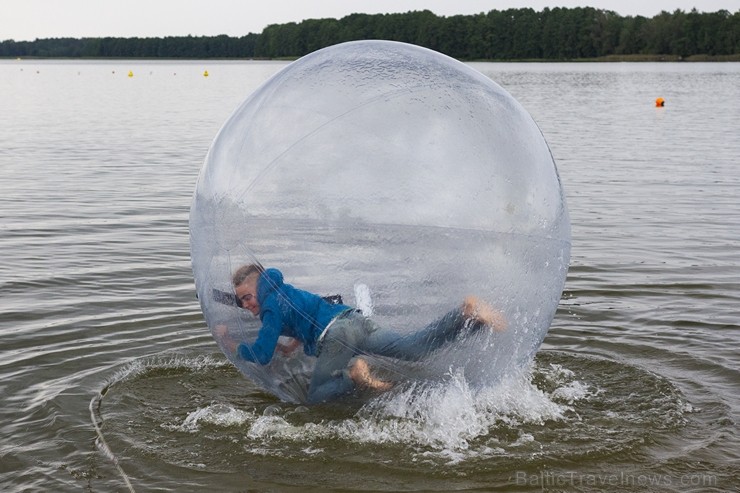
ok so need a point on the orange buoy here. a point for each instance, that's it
(660, 102)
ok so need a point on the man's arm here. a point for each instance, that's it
(267, 339)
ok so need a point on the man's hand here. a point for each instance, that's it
(222, 336)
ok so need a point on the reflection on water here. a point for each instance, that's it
(635, 384)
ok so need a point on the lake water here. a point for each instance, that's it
(111, 382)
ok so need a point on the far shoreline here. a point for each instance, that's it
(603, 59)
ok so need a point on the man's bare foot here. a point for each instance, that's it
(475, 309)
(359, 372)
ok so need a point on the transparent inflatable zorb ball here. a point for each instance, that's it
(392, 167)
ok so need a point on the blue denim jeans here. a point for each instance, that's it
(352, 334)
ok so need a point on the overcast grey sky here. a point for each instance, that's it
(31, 19)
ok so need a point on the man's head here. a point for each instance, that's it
(245, 286)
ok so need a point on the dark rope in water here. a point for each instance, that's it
(97, 420)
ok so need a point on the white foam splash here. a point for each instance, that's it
(571, 392)
(449, 419)
(141, 366)
(567, 389)
(450, 415)
(215, 414)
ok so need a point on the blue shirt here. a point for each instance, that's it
(287, 311)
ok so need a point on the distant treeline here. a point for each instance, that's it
(513, 34)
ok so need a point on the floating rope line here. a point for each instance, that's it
(97, 420)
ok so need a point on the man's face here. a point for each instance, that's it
(247, 294)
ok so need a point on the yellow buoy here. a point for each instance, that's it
(660, 102)
(205, 74)
(130, 73)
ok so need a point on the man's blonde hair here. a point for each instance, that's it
(243, 272)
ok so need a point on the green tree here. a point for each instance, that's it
(555, 34)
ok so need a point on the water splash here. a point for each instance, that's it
(221, 415)
(451, 415)
(446, 417)
(201, 413)
(140, 367)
